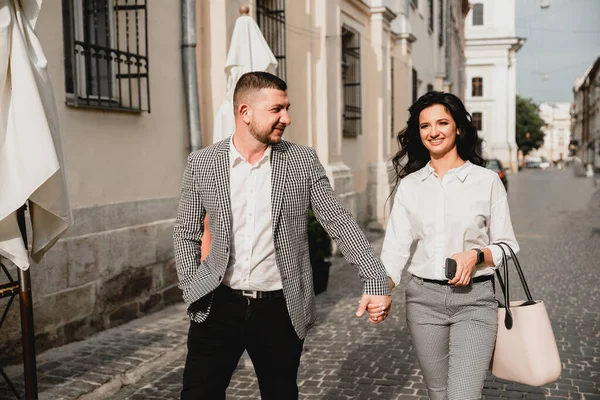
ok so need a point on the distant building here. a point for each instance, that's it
(491, 76)
(557, 131)
(585, 114)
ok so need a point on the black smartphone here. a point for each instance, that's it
(450, 268)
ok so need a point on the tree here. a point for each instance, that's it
(529, 125)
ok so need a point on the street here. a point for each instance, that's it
(557, 223)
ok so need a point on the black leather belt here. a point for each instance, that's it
(255, 294)
(477, 279)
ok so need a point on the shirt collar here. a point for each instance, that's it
(460, 172)
(235, 158)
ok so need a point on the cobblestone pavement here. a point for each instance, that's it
(557, 222)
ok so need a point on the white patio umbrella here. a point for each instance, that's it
(248, 51)
(30, 146)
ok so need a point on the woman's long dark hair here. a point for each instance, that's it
(410, 142)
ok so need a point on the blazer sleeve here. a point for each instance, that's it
(188, 231)
(344, 230)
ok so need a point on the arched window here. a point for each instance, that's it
(477, 14)
(477, 86)
(477, 120)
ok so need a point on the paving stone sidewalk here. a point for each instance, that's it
(99, 366)
(347, 358)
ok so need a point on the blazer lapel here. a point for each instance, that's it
(221, 171)
(279, 166)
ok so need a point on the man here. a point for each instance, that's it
(254, 290)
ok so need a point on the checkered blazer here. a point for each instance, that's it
(298, 183)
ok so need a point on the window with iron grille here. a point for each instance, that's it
(477, 120)
(441, 25)
(477, 87)
(430, 21)
(351, 114)
(477, 14)
(270, 17)
(106, 54)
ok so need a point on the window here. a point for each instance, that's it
(477, 87)
(415, 85)
(351, 114)
(441, 25)
(392, 108)
(477, 120)
(270, 17)
(106, 54)
(429, 87)
(478, 14)
(430, 21)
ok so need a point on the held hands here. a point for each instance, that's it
(465, 267)
(378, 307)
(378, 311)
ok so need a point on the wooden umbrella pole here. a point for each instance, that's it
(27, 333)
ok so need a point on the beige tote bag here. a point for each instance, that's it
(526, 350)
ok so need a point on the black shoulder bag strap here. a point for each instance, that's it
(504, 283)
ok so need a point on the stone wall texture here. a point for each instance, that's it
(114, 265)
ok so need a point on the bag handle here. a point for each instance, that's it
(508, 319)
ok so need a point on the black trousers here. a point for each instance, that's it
(236, 323)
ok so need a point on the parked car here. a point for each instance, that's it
(495, 165)
(537, 163)
(532, 164)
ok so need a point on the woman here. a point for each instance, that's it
(452, 207)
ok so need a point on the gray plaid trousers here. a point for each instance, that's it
(454, 331)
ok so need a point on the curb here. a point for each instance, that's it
(133, 376)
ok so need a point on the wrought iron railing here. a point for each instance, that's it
(352, 111)
(270, 17)
(106, 54)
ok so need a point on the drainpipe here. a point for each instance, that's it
(190, 78)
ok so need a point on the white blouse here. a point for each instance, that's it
(467, 209)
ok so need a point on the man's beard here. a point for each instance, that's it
(262, 136)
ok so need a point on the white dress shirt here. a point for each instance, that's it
(467, 209)
(252, 264)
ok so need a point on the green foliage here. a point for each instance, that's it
(319, 243)
(529, 125)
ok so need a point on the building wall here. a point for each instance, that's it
(557, 131)
(490, 53)
(123, 174)
(427, 59)
(586, 116)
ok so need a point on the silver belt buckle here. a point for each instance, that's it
(253, 294)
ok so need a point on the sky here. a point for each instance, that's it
(562, 41)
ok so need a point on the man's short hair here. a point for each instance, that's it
(255, 81)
